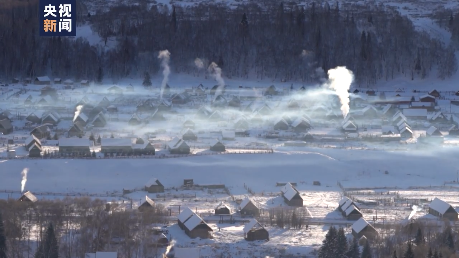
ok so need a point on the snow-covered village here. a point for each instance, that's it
(141, 145)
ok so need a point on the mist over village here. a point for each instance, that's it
(229, 129)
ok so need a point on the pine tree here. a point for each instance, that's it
(448, 239)
(146, 80)
(48, 247)
(366, 252)
(56, 137)
(419, 239)
(328, 248)
(429, 254)
(409, 252)
(394, 255)
(100, 74)
(341, 243)
(99, 140)
(435, 254)
(354, 251)
(174, 20)
(3, 248)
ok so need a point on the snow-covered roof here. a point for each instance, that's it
(252, 223)
(82, 116)
(343, 201)
(437, 115)
(349, 126)
(30, 196)
(386, 108)
(402, 130)
(359, 225)
(432, 130)
(68, 81)
(115, 142)
(298, 121)
(288, 191)
(387, 129)
(74, 142)
(415, 112)
(186, 252)
(185, 214)
(152, 181)
(346, 205)
(422, 104)
(222, 205)
(351, 209)
(427, 96)
(43, 79)
(193, 222)
(32, 138)
(280, 120)
(439, 205)
(245, 202)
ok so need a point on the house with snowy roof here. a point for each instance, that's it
(135, 120)
(147, 204)
(42, 80)
(183, 216)
(216, 116)
(35, 151)
(31, 140)
(291, 196)
(28, 197)
(349, 126)
(222, 209)
(362, 228)
(352, 213)
(116, 145)
(443, 210)
(406, 132)
(433, 132)
(438, 117)
(368, 112)
(154, 186)
(434, 93)
(195, 227)
(217, 145)
(280, 124)
(75, 146)
(248, 207)
(415, 113)
(301, 124)
(254, 231)
(427, 98)
(33, 118)
(178, 146)
(430, 106)
(189, 135)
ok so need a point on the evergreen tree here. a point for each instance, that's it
(91, 137)
(448, 239)
(56, 137)
(419, 239)
(48, 247)
(341, 243)
(394, 255)
(99, 140)
(146, 80)
(409, 252)
(93, 154)
(429, 254)
(328, 248)
(3, 248)
(366, 252)
(100, 75)
(435, 254)
(174, 20)
(354, 251)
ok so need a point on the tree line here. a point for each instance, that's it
(74, 226)
(287, 42)
(414, 240)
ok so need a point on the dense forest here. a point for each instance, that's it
(254, 41)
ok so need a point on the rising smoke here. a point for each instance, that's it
(77, 112)
(216, 72)
(164, 55)
(415, 209)
(199, 63)
(340, 80)
(24, 178)
(169, 249)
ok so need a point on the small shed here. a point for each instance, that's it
(35, 151)
(147, 204)
(291, 196)
(249, 208)
(178, 146)
(362, 228)
(154, 186)
(352, 213)
(427, 98)
(33, 118)
(433, 132)
(42, 80)
(434, 93)
(188, 135)
(442, 209)
(217, 146)
(195, 227)
(75, 145)
(184, 216)
(222, 209)
(28, 197)
(281, 124)
(254, 231)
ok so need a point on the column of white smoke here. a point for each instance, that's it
(217, 74)
(24, 178)
(415, 209)
(164, 55)
(77, 112)
(340, 80)
(199, 63)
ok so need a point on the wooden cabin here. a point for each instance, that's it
(254, 231)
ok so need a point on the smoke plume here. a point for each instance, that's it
(217, 74)
(340, 80)
(77, 112)
(169, 251)
(199, 63)
(164, 56)
(415, 209)
(24, 178)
